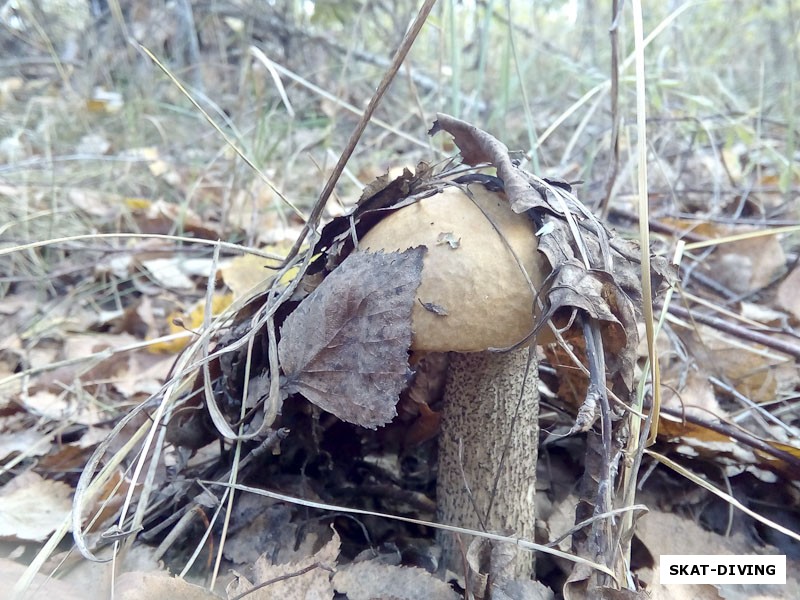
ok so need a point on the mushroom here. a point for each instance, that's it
(477, 292)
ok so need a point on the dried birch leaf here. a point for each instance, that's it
(345, 347)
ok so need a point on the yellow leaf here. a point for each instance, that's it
(178, 321)
(138, 203)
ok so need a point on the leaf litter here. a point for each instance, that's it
(345, 347)
(594, 273)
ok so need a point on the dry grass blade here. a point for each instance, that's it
(647, 428)
(95, 139)
(383, 86)
(699, 481)
(743, 236)
(644, 228)
(155, 236)
(221, 132)
(527, 545)
(276, 78)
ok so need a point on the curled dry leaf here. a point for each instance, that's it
(598, 294)
(478, 147)
(593, 270)
(345, 348)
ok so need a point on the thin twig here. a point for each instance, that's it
(739, 435)
(283, 577)
(774, 343)
(387, 80)
(613, 164)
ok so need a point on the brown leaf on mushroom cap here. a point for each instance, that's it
(599, 295)
(479, 147)
(593, 270)
(345, 347)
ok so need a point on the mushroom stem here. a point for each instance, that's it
(488, 451)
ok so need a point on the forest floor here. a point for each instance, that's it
(142, 206)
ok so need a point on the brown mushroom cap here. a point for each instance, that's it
(473, 295)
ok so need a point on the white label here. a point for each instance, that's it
(719, 568)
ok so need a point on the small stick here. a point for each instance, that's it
(388, 77)
(782, 346)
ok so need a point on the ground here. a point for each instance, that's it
(156, 157)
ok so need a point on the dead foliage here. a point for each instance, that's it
(176, 375)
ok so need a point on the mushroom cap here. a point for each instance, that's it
(473, 295)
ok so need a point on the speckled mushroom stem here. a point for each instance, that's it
(480, 437)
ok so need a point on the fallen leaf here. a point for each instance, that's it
(161, 216)
(265, 527)
(191, 320)
(308, 578)
(372, 579)
(152, 586)
(19, 437)
(42, 587)
(345, 347)
(667, 533)
(105, 101)
(32, 507)
(788, 298)
(246, 273)
(167, 272)
(746, 265)
(760, 376)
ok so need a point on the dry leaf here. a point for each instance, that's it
(155, 586)
(190, 320)
(43, 587)
(372, 579)
(102, 100)
(345, 347)
(168, 273)
(667, 533)
(19, 437)
(32, 507)
(161, 217)
(758, 375)
(308, 578)
(788, 298)
(490, 573)
(692, 419)
(260, 525)
(246, 273)
(746, 265)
